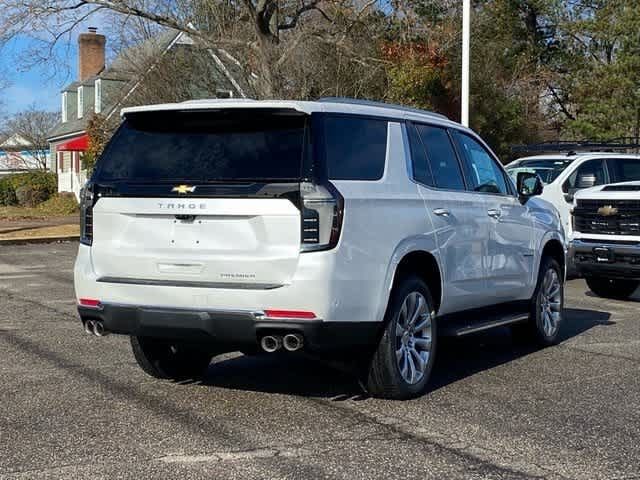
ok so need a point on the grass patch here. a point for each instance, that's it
(57, 206)
(57, 231)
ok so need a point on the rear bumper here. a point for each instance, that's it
(228, 329)
(624, 260)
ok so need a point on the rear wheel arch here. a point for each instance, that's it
(425, 266)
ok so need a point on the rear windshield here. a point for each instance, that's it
(206, 146)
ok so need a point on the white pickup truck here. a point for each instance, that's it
(606, 238)
(563, 175)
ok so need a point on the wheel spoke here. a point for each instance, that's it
(548, 324)
(424, 323)
(412, 369)
(418, 305)
(405, 365)
(421, 363)
(423, 343)
(555, 306)
(399, 330)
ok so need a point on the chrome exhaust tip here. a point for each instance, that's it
(293, 342)
(89, 327)
(270, 343)
(98, 329)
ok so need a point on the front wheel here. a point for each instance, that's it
(612, 288)
(547, 306)
(169, 360)
(402, 363)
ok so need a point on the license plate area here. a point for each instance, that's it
(604, 255)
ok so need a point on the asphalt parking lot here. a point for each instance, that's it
(75, 406)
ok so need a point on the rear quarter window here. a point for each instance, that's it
(355, 148)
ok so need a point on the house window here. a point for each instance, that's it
(64, 107)
(98, 96)
(66, 162)
(80, 101)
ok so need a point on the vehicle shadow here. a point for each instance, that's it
(458, 358)
(633, 298)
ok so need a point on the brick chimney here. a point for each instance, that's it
(90, 53)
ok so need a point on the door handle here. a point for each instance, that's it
(494, 213)
(442, 212)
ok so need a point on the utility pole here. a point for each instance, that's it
(466, 47)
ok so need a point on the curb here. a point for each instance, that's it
(35, 240)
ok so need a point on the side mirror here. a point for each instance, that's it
(586, 180)
(529, 185)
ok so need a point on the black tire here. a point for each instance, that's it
(384, 377)
(169, 360)
(612, 288)
(534, 328)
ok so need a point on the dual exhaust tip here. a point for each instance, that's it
(291, 342)
(95, 327)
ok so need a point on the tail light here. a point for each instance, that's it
(289, 314)
(322, 212)
(87, 201)
(89, 302)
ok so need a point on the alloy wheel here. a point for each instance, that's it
(550, 303)
(413, 338)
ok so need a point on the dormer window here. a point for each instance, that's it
(80, 101)
(98, 96)
(64, 107)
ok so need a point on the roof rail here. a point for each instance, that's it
(572, 147)
(372, 103)
(219, 100)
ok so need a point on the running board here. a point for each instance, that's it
(460, 327)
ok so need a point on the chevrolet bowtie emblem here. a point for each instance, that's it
(183, 189)
(607, 211)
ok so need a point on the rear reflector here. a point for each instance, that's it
(89, 302)
(288, 314)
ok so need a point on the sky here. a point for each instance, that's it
(41, 84)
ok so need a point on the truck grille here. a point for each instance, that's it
(607, 217)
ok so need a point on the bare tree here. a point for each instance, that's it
(26, 138)
(264, 34)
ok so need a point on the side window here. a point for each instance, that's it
(483, 173)
(442, 158)
(355, 148)
(588, 174)
(419, 162)
(624, 169)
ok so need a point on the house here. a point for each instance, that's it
(18, 155)
(104, 90)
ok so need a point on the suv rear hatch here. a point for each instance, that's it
(209, 198)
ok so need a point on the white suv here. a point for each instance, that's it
(329, 227)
